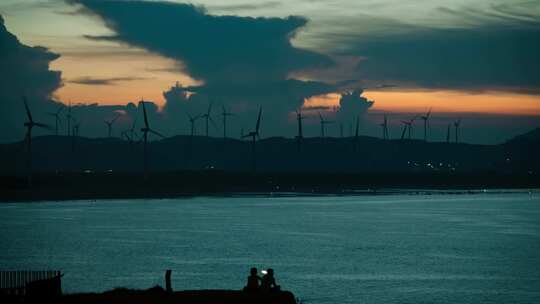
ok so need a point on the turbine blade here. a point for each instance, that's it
(27, 109)
(258, 120)
(144, 112)
(156, 133)
(42, 125)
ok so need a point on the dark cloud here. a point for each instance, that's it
(481, 58)
(215, 49)
(24, 71)
(103, 81)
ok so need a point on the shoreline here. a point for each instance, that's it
(167, 185)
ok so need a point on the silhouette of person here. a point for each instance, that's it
(269, 282)
(253, 281)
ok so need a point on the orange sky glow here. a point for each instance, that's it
(154, 76)
(442, 101)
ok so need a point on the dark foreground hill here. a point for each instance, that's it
(157, 295)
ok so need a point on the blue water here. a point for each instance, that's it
(482, 248)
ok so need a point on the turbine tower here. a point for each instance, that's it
(425, 118)
(324, 123)
(384, 126)
(207, 117)
(146, 129)
(109, 124)
(457, 123)
(224, 114)
(254, 136)
(57, 120)
(300, 135)
(448, 133)
(29, 125)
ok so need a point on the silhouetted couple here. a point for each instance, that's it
(266, 283)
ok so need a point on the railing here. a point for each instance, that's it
(21, 283)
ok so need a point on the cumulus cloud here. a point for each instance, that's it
(24, 71)
(352, 105)
(243, 62)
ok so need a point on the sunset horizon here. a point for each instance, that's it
(103, 59)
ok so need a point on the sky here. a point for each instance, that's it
(474, 60)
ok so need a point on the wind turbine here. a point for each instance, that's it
(207, 117)
(29, 125)
(408, 127)
(384, 126)
(57, 119)
(129, 134)
(457, 123)
(146, 129)
(224, 114)
(254, 136)
(300, 135)
(109, 124)
(448, 133)
(323, 123)
(192, 121)
(425, 118)
(404, 129)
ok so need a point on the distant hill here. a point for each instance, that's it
(529, 137)
(277, 154)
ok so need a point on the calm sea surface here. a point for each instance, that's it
(482, 248)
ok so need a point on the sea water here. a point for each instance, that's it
(399, 248)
